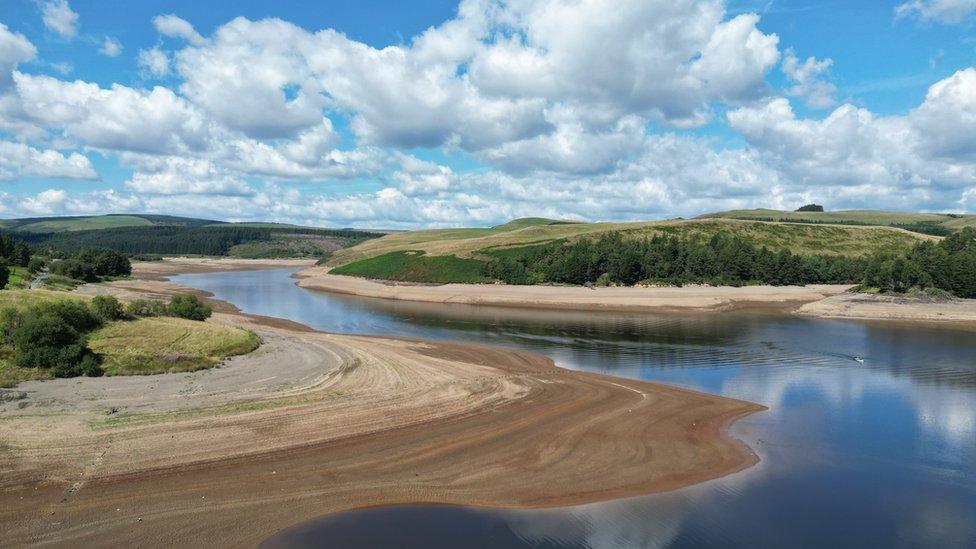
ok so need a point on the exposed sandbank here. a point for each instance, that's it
(634, 299)
(958, 312)
(315, 423)
(821, 300)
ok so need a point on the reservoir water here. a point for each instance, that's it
(874, 454)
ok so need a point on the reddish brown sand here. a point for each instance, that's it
(386, 421)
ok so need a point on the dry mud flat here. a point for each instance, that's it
(634, 299)
(314, 423)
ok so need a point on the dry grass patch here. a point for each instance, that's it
(160, 345)
(22, 299)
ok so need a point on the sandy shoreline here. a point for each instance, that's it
(314, 423)
(819, 300)
(956, 312)
(628, 299)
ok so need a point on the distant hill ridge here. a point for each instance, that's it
(93, 222)
(115, 221)
(939, 224)
(153, 234)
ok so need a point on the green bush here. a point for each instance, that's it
(10, 318)
(51, 335)
(49, 341)
(75, 313)
(111, 263)
(189, 307)
(4, 275)
(106, 308)
(36, 265)
(76, 269)
(146, 307)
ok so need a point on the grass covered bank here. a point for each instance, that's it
(163, 345)
(46, 334)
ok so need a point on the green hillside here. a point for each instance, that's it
(929, 223)
(150, 234)
(477, 242)
(421, 256)
(86, 223)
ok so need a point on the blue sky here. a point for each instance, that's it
(378, 113)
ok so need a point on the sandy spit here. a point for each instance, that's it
(957, 312)
(314, 423)
(633, 299)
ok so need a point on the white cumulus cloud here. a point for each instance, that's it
(110, 47)
(155, 62)
(807, 78)
(176, 27)
(20, 159)
(60, 18)
(948, 12)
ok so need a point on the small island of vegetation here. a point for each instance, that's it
(45, 334)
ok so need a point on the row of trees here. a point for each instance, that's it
(722, 260)
(14, 251)
(948, 265)
(91, 265)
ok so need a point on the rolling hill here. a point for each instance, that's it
(148, 234)
(477, 242)
(930, 223)
(94, 222)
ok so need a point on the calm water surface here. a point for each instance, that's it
(875, 455)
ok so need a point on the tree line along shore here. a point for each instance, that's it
(947, 266)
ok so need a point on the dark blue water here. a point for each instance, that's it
(879, 454)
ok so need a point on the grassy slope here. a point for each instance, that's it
(19, 277)
(84, 223)
(869, 217)
(291, 245)
(159, 345)
(21, 299)
(468, 243)
(415, 266)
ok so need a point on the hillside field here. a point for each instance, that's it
(477, 243)
(95, 222)
(915, 221)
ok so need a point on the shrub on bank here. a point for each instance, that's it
(107, 308)
(189, 307)
(182, 306)
(146, 308)
(51, 336)
(36, 265)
